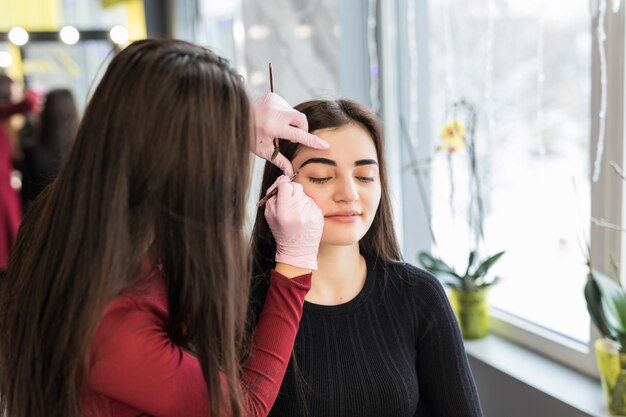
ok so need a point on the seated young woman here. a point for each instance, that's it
(377, 336)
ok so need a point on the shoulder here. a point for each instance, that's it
(148, 293)
(407, 275)
(408, 280)
(133, 310)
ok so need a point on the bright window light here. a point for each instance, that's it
(239, 32)
(303, 31)
(532, 137)
(258, 32)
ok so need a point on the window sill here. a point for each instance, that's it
(557, 381)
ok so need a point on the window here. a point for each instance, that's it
(56, 65)
(531, 71)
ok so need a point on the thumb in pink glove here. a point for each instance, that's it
(275, 118)
(296, 223)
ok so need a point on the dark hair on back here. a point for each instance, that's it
(5, 87)
(45, 150)
(379, 243)
(58, 121)
(161, 161)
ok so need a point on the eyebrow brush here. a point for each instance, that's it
(276, 150)
(276, 140)
(273, 192)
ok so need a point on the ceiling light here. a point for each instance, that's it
(119, 34)
(5, 59)
(18, 36)
(69, 35)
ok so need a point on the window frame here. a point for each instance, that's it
(607, 195)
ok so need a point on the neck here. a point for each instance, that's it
(340, 275)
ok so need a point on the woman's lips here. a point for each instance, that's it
(344, 216)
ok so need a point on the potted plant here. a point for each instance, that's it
(470, 286)
(606, 303)
(468, 290)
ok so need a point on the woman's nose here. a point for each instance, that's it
(346, 190)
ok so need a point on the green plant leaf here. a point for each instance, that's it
(594, 307)
(451, 282)
(485, 265)
(435, 265)
(613, 301)
(441, 270)
(488, 282)
(470, 261)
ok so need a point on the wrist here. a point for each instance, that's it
(306, 260)
(290, 271)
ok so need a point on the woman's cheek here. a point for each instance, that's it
(314, 193)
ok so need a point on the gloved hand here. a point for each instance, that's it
(296, 223)
(275, 118)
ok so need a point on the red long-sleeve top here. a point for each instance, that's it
(10, 201)
(138, 370)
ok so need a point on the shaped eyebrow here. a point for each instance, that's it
(330, 162)
(361, 162)
(319, 161)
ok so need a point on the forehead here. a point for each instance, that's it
(348, 143)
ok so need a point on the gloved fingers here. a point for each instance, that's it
(284, 164)
(285, 192)
(299, 120)
(297, 188)
(271, 206)
(279, 180)
(270, 209)
(302, 136)
(264, 99)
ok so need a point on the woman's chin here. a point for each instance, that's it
(340, 240)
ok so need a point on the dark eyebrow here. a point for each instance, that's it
(365, 162)
(330, 162)
(319, 161)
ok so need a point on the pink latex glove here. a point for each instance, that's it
(296, 223)
(275, 118)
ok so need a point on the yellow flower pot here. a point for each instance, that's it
(612, 367)
(472, 312)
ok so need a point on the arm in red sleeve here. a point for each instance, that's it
(26, 105)
(138, 367)
(273, 341)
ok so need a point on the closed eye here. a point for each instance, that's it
(316, 180)
(365, 179)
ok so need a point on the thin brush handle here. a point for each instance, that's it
(271, 79)
(276, 140)
(273, 193)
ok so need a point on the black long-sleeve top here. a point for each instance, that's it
(394, 350)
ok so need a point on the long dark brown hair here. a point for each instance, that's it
(58, 121)
(161, 160)
(45, 151)
(5, 87)
(379, 243)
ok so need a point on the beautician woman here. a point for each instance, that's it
(126, 293)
